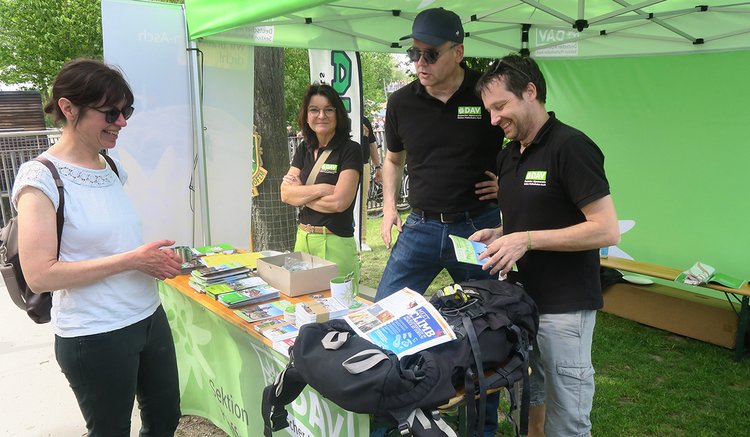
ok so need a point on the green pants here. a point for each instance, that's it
(340, 250)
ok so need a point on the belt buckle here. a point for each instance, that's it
(442, 220)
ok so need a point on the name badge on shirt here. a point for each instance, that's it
(469, 113)
(536, 178)
(329, 168)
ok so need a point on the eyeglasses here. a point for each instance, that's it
(111, 115)
(499, 65)
(430, 55)
(328, 112)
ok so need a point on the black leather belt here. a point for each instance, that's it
(450, 217)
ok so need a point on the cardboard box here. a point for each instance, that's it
(296, 283)
(682, 312)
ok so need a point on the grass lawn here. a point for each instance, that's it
(648, 382)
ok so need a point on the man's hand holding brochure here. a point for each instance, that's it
(403, 322)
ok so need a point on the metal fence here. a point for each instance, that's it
(17, 147)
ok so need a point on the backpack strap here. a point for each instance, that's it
(111, 163)
(287, 387)
(469, 380)
(61, 205)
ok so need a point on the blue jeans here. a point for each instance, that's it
(423, 249)
(108, 371)
(562, 376)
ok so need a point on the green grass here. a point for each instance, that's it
(649, 382)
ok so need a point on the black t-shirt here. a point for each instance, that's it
(345, 155)
(367, 140)
(545, 188)
(448, 146)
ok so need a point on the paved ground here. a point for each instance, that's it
(35, 400)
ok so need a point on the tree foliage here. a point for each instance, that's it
(38, 36)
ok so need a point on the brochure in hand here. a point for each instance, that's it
(403, 322)
(468, 251)
(263, 311)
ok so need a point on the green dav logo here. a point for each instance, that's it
(469, 112)
(329, 168)
(537, 178)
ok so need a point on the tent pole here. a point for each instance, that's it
(199, 137)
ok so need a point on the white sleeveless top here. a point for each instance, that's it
(100, 221)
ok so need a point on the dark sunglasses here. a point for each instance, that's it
(111, 115)
(430, 55)
(499, 67)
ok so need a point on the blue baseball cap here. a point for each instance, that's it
(436, 26)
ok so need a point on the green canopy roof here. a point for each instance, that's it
(547, 28)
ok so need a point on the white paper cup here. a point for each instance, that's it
(342, 289)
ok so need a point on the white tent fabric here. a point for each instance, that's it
(554, 29)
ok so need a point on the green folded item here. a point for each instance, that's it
(700, 274)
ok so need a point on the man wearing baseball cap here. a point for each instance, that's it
(439, 126)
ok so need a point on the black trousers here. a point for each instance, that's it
(107, 371)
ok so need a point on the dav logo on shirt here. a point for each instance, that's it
(536, 178)
(469, 112)
(329, 168)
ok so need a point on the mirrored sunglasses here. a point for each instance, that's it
(430, 55)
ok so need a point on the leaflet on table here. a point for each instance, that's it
(277, 329)
(235, 285)
(220, 271)
(468, 251)
(403, 322)
(263, 311)
(235, 299)
(212, 249)
(282, 346)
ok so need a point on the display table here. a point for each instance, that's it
(224, 364)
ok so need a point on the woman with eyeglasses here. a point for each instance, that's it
(112, 339)
(326, 218)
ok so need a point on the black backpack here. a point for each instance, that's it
(37, 306)
(361, 377)
(494, 322)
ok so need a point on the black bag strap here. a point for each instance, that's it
(288, 385)
(111, 163)
(60, 191)
(482, 382)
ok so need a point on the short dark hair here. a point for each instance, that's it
(516, 72)
(88, 83)
(343, 123)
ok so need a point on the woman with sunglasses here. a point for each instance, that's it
(112, 339)
(326, 216)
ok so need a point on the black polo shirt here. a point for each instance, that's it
(345, 155)
(448, 145)
(545, 188)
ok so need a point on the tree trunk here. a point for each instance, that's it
(273, 223)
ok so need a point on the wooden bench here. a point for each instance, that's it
(676, 310)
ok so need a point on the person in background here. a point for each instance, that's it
(326, 217)
(369, 153)
(112, 339)
(437, 125)
(557, 212)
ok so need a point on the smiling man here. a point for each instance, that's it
(557, 213)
